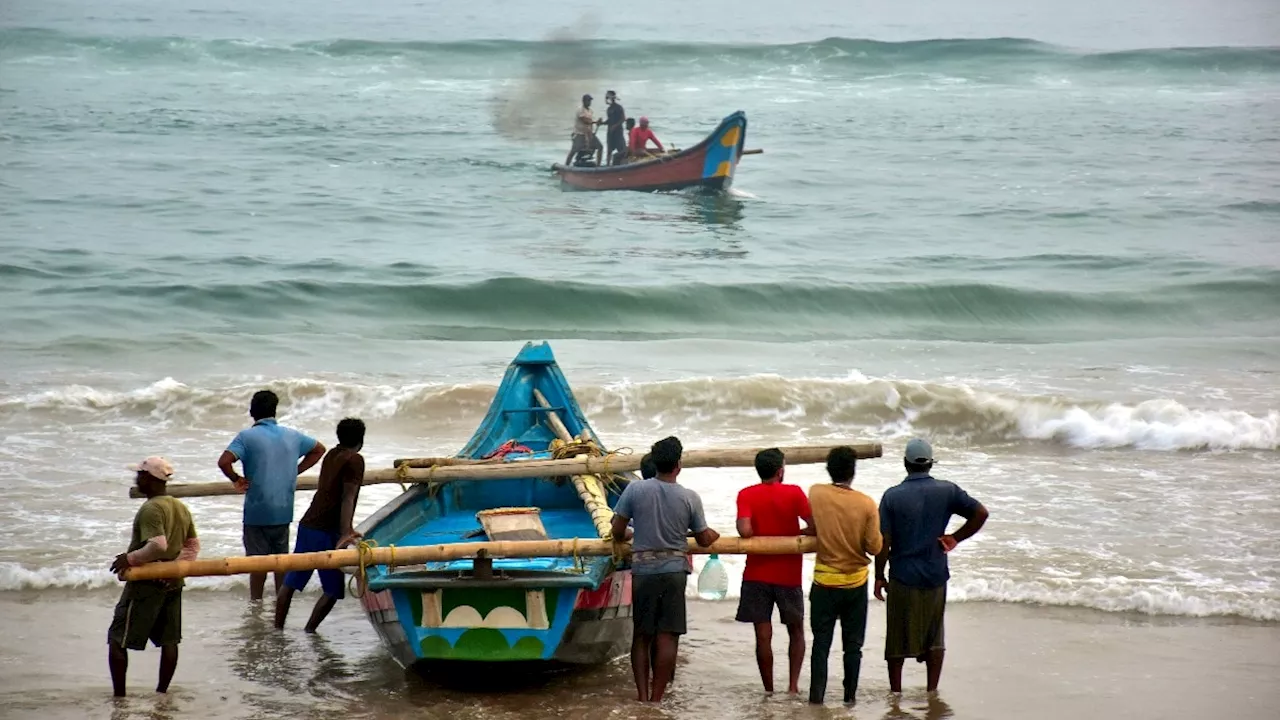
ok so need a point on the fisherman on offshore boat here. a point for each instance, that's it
(640, 136)
(584, 140)
(615, 140)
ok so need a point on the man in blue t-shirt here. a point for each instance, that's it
(664, 513)
(913, 520)
(269, 455)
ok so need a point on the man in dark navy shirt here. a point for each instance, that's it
(615, 138)
(913, 520)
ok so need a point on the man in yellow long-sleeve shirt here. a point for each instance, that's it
(848, 528)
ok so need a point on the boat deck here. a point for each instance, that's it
(455, 526)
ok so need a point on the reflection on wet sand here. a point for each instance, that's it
(932, 707)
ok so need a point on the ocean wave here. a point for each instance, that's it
(759, 405)
(1118, 597)
(506, 307)
(834, 52)
(14, 576)
(1098, 594)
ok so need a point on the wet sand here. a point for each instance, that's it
(1004, 661)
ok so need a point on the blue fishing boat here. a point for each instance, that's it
(551, 610)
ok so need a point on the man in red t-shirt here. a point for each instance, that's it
(638, 143)
(772, 508)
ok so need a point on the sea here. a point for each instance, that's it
(1043, 235)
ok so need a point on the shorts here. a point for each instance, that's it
(616, 141)
(914, 620)
(586, 142)
(266, 539)
(658, 604)
(758, 598)
(147, 610)
(312, 540)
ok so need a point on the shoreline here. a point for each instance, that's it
(1004, 659)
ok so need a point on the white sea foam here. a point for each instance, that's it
(1147, 597)
(1111, 596)
(802, 407)
(14, 576)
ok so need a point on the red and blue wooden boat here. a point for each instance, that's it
(709, 165)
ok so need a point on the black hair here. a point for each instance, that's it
(769, 462)
(918, 467)
(647, 468)
(351, 432)
(263, 405)
(666, 454)
(842, 464)
(631, 123)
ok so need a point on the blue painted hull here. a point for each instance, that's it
(540, 610)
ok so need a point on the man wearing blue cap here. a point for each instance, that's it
(913, 520)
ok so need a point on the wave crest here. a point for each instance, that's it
(849, 54)
(763, 406)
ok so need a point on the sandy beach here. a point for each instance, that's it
(1004, 661)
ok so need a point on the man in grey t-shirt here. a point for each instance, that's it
(664, 514)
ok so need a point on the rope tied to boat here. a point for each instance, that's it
(586, 446)
(402, 475)
(578, 565)
(364, 550)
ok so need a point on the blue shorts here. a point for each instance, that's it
(333, 582)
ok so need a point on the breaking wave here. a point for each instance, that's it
(834, 53)
(753, 406)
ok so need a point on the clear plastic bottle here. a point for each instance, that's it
(713, 581)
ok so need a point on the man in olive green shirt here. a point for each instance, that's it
(151, 609)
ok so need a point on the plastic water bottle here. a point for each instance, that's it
(713, 581)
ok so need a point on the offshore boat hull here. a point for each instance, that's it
(709, 165)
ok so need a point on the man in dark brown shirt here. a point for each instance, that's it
(328, 524)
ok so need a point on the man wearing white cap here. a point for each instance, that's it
(151, 609)
(913, 521)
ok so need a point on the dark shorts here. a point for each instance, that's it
(266, 539)
(758, 598)
(586, 142)
(147, 611)
(914, 620)
(312, 540)
(657, 603)
(616, 140)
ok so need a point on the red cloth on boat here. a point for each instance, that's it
(507, 448)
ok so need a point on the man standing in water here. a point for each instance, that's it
(773, 508)
(913, 520)
(151, 609)
(269, 455)
(664, 513)
(329, 523)
(848, 538)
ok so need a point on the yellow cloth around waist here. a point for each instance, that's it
(827, 576)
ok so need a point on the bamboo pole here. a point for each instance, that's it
(553, 417)
(717, 457)
(590, 487)
(416, 555)
(429, 461)
(756, 151)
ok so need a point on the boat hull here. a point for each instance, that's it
(543, 611)
(710, 165)
(595, 630)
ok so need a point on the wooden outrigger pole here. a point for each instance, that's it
(427, 470)
(400, 557)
